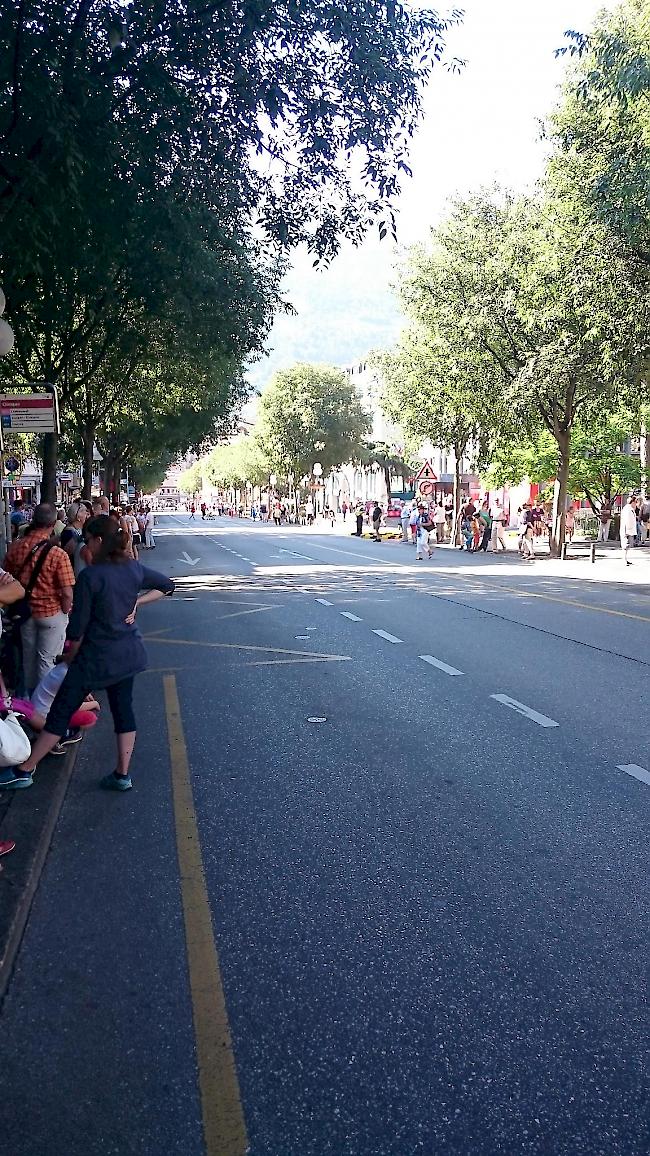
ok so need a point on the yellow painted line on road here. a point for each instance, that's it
(241, 646)
(548, 598)
(224, 1127)
(298, 661)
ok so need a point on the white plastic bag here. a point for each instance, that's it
(15, 747)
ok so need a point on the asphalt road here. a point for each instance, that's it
(430, 909)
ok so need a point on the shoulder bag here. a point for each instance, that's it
(21, 610)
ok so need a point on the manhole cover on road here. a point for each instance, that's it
(317, 719)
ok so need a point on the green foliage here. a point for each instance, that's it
(602, 129)
(289, 104)
(308, 414)
(599, 468)
(229, 465)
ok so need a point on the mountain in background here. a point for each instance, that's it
(342, 312)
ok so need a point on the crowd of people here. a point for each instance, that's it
(71, 585)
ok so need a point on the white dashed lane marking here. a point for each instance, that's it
(352, 617)
(387, 636)
(324, 602)
(639, 773)
(440, 665)
(520, 707)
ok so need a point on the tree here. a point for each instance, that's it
(601, 130)
(182, 301)
(545, 294)
(442, 384)
(311, 413)
(382, 455)
(600, 469)
(303, 111)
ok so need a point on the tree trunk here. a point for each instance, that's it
(560, 491)
(387, 481)
(50, 454)
(644, 447)
(455, 533)
(117, 480)
(89, 445)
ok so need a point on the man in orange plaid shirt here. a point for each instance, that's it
(43, 634)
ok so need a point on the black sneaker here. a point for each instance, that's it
(69, 739)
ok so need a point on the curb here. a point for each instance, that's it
(11, 935)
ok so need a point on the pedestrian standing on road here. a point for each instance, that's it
(376, 521)
(439, 521)
(628, 526)
(204, 510)
(423, 530)
(77, 516)
(404, 519)
(525, 530)
(36, 557)
(134, 531)
(604, 522)
(192, 513)
(105, 649)
(486, 522)
(18, 518)
(643, 517)
(359, 518)
(149, 523)
(413, 522)
(498, 537)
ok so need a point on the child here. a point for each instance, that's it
(477, 532)
(36, 709)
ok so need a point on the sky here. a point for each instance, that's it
(481, 126)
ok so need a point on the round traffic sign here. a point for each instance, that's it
(426, 488)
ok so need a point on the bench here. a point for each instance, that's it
(590, 546)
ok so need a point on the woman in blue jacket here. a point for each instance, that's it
(105, 649)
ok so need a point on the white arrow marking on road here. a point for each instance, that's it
(636, 772)
(441, 665)
(189, 561)
(295, 554)
(527, 711)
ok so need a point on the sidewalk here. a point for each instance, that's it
(608, 568)
(29, 818)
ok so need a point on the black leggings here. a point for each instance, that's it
(72, 693)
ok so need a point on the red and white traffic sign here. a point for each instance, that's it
(426, 474)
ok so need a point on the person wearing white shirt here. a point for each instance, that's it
(498, 536)
(404, 518)
(149, 523)
(628, 527)
(439, 521)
